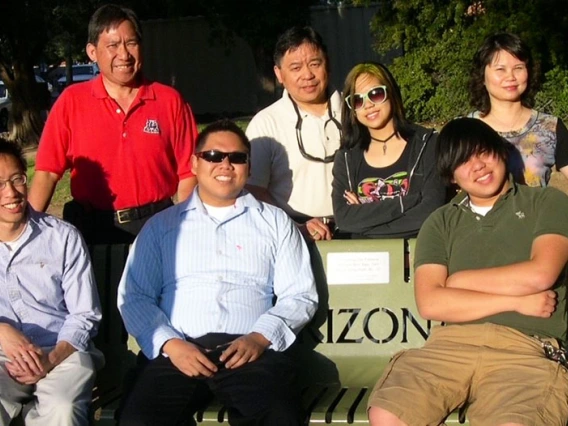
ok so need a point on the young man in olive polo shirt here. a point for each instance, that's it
(490, 265)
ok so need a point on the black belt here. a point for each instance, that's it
(136, 213)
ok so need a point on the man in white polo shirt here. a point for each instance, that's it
(294, 139)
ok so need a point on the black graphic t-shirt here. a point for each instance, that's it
(379, 183)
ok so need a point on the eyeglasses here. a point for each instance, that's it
(377, 95)
(331, 119)
(215, 156)
(18, 180)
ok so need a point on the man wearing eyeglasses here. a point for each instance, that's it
(127, 141)
(294, 139)
(198, 295)
(49, 309)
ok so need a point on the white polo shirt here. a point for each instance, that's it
(298, 185)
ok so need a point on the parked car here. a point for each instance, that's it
(6, 102)
(82, 72)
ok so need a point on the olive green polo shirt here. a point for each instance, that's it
(459, 239)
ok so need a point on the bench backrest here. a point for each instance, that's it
(108, 263)
(367, 311)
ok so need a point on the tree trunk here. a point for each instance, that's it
(29, 99)
(26, 129)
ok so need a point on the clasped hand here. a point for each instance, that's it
(193, 361)
(27, 362)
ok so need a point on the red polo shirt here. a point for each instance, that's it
(119, 160)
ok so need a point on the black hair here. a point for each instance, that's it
(353, 132)
(511, 43)
(12, 149)
(463, 138)
(111, 16)
(223, 125)
(293, 38)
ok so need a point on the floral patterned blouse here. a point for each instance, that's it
(540, 144)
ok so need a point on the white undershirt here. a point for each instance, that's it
(218, 213)
(15, 243)
(480, 210)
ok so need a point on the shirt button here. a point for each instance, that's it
(118, 111)
(124, 135)
(477, 217)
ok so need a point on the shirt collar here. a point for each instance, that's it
(335, 100)
(244, 200)
(99, 91)
(462, 199)
(32, 218)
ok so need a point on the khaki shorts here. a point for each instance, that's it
(501, 373)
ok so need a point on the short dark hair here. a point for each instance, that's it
(293, 38)
(463, 138)
(223, 125)
(14, 150)
(511, 43)
(111, 16)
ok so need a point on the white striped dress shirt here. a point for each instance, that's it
(47, 286)
(188, 275)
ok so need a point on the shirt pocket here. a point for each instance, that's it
(39, 284)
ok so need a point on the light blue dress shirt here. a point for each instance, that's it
(48, 289)
(188, 275)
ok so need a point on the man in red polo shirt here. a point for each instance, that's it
(127, 141)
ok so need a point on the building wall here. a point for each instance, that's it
(347, 35)
(212, 78)
(215, 79)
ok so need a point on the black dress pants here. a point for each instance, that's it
(260, 393)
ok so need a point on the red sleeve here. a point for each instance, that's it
(184, 144)
(53, 151)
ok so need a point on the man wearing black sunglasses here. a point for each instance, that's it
(294, 139)
(198, 295)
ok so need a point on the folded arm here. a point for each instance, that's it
(359, 218)
(437, 302)
(549, 254)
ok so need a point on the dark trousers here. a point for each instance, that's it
(101, 227)
(260, 393)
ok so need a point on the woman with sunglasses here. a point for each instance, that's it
(385, 182)
(502, 88)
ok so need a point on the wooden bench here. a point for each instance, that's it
(367, 313)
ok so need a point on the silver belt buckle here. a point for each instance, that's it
(119, 214)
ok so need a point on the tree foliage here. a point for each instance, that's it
(31, 32)
(438, 39)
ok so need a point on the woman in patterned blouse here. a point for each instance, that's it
(502, 88)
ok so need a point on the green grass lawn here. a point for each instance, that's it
(62, 192)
